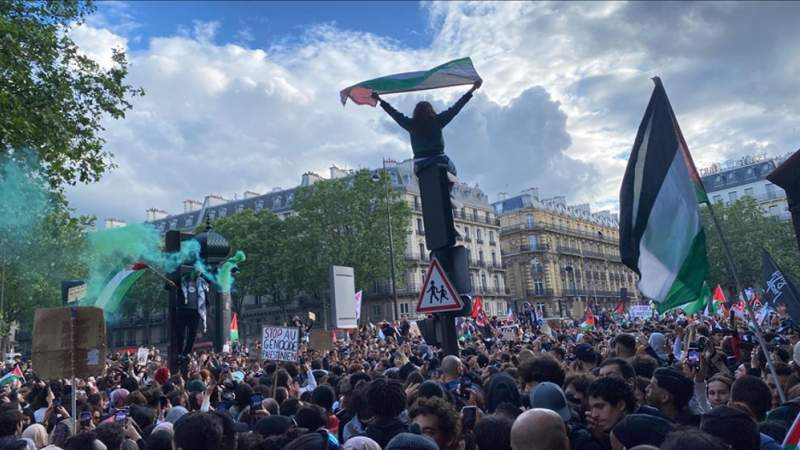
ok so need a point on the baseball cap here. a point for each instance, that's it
(549, 395)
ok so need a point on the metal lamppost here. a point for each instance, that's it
(377, 178)
(569, 269)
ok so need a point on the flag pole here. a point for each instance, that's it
(756, 325)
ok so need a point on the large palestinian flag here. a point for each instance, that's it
(453, 73)
(112, 294)
(661, 235)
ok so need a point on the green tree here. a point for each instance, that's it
(747, 230)
(344, 222)
(52, 97)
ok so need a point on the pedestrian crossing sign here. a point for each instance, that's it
(437, 292)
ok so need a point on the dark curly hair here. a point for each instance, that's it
(613, 390)
(387, 398)
(542, 368)
(449, 421)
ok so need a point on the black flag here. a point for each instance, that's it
(778, 288)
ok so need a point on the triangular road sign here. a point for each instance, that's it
(437, 292)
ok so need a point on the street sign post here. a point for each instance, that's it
(437, 294)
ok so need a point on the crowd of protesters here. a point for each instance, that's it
(670, 383)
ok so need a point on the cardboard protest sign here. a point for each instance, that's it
(643, 312)
(508, 333)
(69, 342)
(321, 340)
(280, 343)
(141, 355)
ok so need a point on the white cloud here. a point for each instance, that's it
(565, 87)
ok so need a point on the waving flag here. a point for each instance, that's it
(588, 319)
(234, 329)
(478, 313)
(453, 73)
(357, 300)
(779, 289)
(10, 377)
(792, 439)
(112, 294)
(661, 235)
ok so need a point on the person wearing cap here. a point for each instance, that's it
(585, 357)
(733, 426)
(549, 395)
(639, 429)
(610, 400)
(670, 391)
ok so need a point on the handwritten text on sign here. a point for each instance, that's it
(280, 344)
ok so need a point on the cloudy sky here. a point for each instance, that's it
(244, 96)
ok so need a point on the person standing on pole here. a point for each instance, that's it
(425, 130)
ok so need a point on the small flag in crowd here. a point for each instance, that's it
(661, 235)
(10, 377)
(358, 304)
(792, 439)
(234, 329)
(778, 289)
(478, 313)
(588, 319)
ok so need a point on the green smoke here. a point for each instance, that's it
(25, 202)
(223, 279)
(115, 249)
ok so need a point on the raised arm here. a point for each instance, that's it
(446, 116)
(398, 117)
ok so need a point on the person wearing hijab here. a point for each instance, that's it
(38, 434)
(656, 347)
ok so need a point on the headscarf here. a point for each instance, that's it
(657, 342)
(29, 444)
(164, 426)
(119, 396)
(38, 434)
(361, 443)
(61, 432)
(175, 413)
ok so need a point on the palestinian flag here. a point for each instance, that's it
(112, 294)
(661, 235)
(588, 319)
(699, 305)
(10, 377)
(454, 73)
(792, 439)
(234, 329)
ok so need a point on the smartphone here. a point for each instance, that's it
(255, 401)
(468, 416)
(693, 357)
(56, 403)
(121, 416)
(86, 418)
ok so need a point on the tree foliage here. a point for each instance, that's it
(53, 97)
(747, 230)
(334, 222)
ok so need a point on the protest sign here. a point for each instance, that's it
(141, 355)
(280, 343)
(321, 340)
(643, 312)
(69, 342)
(509, 333)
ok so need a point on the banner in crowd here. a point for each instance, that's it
(642, 312)
(69, 342)
(280, 343)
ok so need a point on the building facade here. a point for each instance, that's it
(476, 221)
(479, 228)
(561, 258)
(747, 177)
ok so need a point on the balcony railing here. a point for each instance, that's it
(539, 293)
(558, 229)
(492, 242)
(479, 240)
(568, 250)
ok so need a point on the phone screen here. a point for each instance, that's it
(121, 416)
(85, 418)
